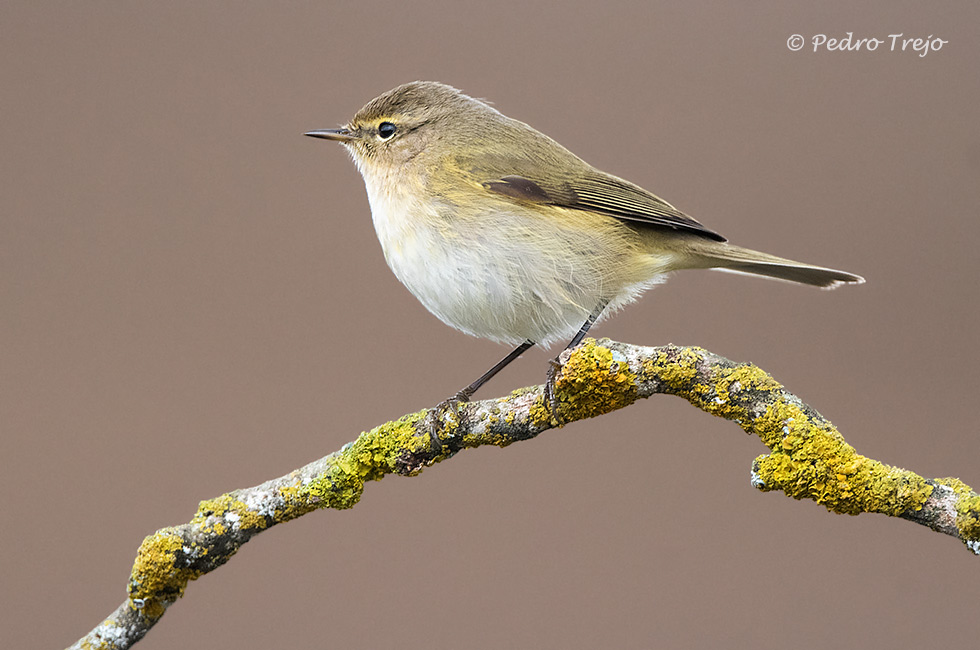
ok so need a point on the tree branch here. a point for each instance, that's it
(808, 459)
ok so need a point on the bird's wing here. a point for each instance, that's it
(603, 193)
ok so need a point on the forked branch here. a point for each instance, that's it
(808, 459)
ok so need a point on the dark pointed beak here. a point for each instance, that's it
(340, 135)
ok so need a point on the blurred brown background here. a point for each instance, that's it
(192, 299)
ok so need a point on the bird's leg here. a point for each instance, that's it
(550, 399)
(438, 413)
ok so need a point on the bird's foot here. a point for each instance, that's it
(445, 423)
(550, 398)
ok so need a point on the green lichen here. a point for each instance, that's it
(385, 449)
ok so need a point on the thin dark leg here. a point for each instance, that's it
(549, 385)
(435, 426)
(465, 394)
(587, 325)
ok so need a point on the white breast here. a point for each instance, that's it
(504, 276)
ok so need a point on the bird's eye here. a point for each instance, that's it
(386, 130)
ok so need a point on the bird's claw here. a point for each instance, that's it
(550, 398)
(437, 423)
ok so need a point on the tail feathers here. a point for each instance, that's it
(725, 257)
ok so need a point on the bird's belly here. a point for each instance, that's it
(506, 277)
(487, 287)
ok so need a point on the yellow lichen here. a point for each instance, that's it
(723, 396)
(213, 515)
(811, 460)
(157, 578)
(295, 503)
(808, 459)
(967, 509)
(677, 373)
(540, 414)
(592, 382)
(165, 559)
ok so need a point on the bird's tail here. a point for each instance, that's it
(735, 259)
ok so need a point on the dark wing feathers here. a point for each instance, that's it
(622, 199)
(599, 192)
(518, 187)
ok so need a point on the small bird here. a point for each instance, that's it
(505, 234)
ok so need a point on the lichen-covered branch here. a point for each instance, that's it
(808, 459)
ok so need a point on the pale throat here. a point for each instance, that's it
(398, 215)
